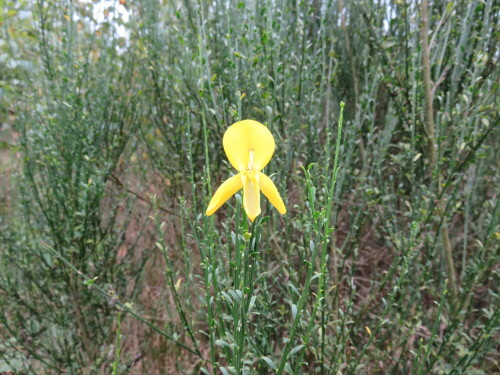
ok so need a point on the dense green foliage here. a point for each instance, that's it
(112, 115)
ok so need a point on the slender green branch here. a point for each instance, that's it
(90, 282)
(433, 151)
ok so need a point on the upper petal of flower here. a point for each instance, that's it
(244, 136)
(224, 192)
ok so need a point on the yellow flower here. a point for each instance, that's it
(249, 146)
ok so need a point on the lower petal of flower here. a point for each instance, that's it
(269, 189)
(251, 195)
(224, 192)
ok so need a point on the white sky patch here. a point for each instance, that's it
(111, 11)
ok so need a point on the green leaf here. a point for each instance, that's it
(269, 362)
(91, 281)
(220, 342)
(296, 349)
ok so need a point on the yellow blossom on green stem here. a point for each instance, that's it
(249, 146)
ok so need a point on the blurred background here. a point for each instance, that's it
(111, 122)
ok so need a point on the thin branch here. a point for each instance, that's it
(433, 153)
(117, 181)
(114, 299)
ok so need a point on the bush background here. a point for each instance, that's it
(111, 122)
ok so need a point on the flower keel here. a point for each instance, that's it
(251, 194)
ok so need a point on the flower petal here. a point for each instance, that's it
(243, 136)
(224, 192)
(251, 195)
(269, 189)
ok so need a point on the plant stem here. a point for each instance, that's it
(431, 136)
(124, 306)
(117, 343)
(327, 233)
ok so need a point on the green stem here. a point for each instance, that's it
(124, 306)
(434, 330)
(247, 289)
(117, 343)
(434, 156)
(320, 296)
(326, 235)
